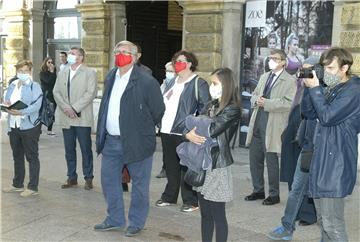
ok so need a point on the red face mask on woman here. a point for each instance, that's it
(180, 66)
(122, 60)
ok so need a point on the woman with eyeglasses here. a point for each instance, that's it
(187, 94)
(47, 80)
(23, 133)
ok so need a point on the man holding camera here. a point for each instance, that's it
(334, 164)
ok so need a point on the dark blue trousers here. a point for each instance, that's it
(111, 177)
(83, 134)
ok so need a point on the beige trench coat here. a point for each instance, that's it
(83, 89)
(278, 106)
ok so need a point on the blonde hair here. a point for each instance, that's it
(22, 63)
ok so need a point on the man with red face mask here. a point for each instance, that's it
(130, 108)
(181, 98)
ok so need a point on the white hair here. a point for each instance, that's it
(132, 46)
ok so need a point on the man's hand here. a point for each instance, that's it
(70, 113)
(14, 112)
(312, 82)
(260, 102)
(193, 137)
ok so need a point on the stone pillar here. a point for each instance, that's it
(212, 30)
(350, 34)
(95, 18)
(16, 26)
(232, 35)
(36, 52)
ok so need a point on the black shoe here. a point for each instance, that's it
(304, 223)
(162, 174)
(104, 226)
(88, 184)
(69, 183)
(132, 231)
(271, 200)
(255, 196)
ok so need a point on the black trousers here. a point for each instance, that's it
(25, 143)
(51, 125)
(175, 172)
(213, 215)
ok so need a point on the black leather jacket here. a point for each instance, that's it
(223, 128)
(188, 104)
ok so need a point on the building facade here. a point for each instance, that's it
(213, 30)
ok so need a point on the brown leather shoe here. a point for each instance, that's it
(69, 183)
(88, 184)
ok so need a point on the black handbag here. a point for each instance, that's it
(194, 178)
(46, 113)
(306, 156)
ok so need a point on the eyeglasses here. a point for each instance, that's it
(125, 52)
(50, 62)
(277, 59)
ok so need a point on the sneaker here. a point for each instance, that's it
(104, 226)
(51, 133)
(188, 208)
(28, 193)
(161, 203)
(13, 189)
(280, 233)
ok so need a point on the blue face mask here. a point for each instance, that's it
(25, 78)
(169, 76)
(71, 59)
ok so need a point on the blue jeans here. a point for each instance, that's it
(83, 134)
(111, 176)
(331, 219)
(296, 198)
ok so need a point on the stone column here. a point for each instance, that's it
(36, 52)
(16, 26)
(232, 35)
(95, 18)
(212, 30)
(350, 34)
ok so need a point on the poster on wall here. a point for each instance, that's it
(300, 28)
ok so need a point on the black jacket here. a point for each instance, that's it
(47, 81)
(188, 104)
(223, 128)
(142, 107)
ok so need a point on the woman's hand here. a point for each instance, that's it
(14, 112)
(193, 137)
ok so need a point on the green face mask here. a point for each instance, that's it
(331, 80)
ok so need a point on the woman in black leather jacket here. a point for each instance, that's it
(218, 187)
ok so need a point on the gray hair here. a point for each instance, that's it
(132, 46)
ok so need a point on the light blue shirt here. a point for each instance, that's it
(31, 95)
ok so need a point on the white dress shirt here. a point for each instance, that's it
(171, 101)
(113, 114)
(72, 73)
(15, 120)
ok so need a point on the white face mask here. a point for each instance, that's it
(25, 78)
(215, 91)
(71, 59)
(273, 65)
(169, 75)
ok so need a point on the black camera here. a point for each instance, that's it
(307, 72)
